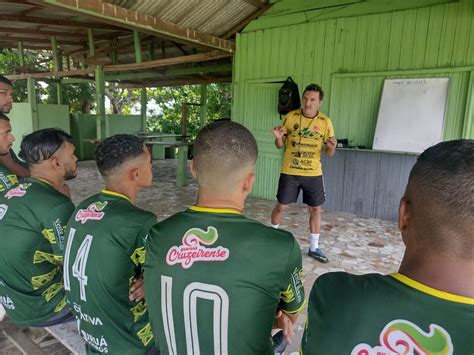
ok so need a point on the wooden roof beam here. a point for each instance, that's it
(202, 57)
(37, 40)
(53, 22)
(59, 34)
(119, 16)
(25, 46)
(78, 72)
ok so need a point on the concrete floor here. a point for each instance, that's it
(354, 244)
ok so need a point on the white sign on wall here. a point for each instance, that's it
(411, 114)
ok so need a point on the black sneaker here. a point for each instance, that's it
(279, 342)
(318, 255)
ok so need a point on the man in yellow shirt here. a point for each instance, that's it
(303, 134)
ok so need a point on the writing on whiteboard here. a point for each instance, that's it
(409, 82)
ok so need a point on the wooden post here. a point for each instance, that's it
(21, 54)
(57, 64)
(143, 102)
(203, 113)
(468, 127)
(182, 168)
(90, 38)
(151, 49)
(100, 99)
(138, 46)
(138, 58)
(184, 118)
(30, 84)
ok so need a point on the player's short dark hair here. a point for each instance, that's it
(222, 148)
(4, 117)
(116, 150)
(5, 80)
(315, 88)
(41, 145)
(441, 183)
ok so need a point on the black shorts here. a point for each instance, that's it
(289, 188)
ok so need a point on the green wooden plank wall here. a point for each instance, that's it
(350, 57)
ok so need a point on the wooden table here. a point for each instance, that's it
(182, 163)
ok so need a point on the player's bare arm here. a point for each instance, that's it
(285, 322)
(331, 144)
(280, 136)
(7, 161)
(137, 290)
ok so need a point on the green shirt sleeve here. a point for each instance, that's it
(292, 294)
(138, 255)
(54, 226)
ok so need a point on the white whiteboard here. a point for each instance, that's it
(411, 114)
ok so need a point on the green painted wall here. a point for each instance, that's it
(48, 116)
(21, 121)
(350, 50)
(56, 116)
(83, 128)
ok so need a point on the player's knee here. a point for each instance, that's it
(314, 210)
(280, 208)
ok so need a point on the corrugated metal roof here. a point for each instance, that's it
(214, 17)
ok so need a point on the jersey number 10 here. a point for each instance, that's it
(192, 293)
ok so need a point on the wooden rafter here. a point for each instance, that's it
(54, 22)
(37, 40)
(25, 46)
(134, 20)
(213, 55)
(202, 57)
(35, 32)
(57, 74)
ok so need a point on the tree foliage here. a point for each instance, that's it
(164, 104)
(46, 93)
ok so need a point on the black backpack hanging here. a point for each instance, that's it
(288, 97)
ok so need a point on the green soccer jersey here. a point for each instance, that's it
(7, 179)
(215, 279)
(104, 253)
(381, 315)
(32, 222)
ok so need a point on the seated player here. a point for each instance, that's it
(428, 306)
(104, 252)
(214, 279)
(32, 223)
(7, 178)
(10, 160)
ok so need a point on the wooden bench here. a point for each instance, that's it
(69, 336)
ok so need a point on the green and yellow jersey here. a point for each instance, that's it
(7, 179)
(386, 314)
(305, 138)
(215, 279)
(103, 254)
(32, 222)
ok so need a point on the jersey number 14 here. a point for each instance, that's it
(79, 265)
